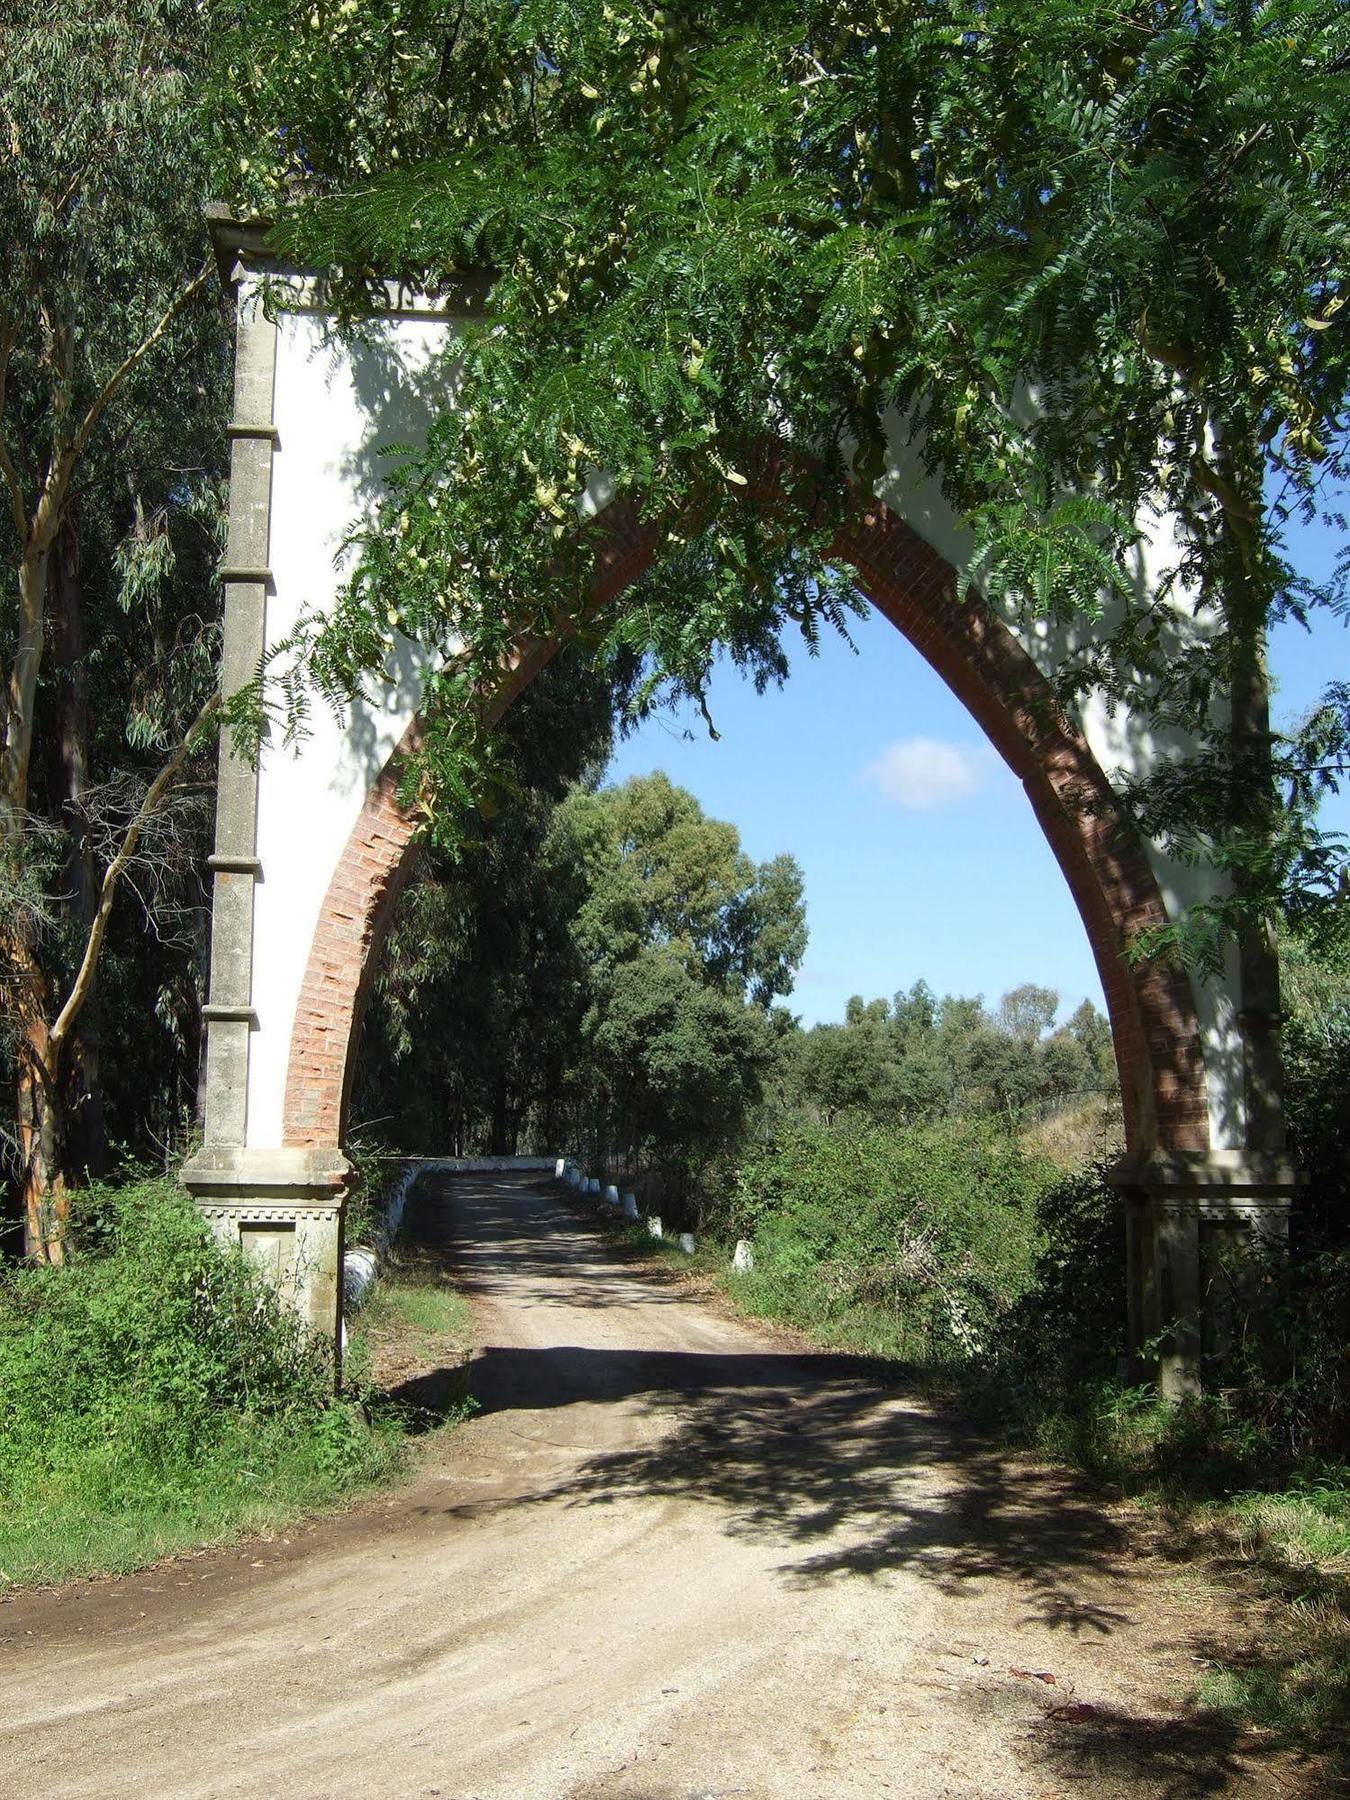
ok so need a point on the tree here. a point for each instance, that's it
(923, 1058)
(681, 1060)
(102, 317)
(686, 943)
(474, 1030)
(846, 1068)
(1092, 1031)
(661, 873)
(590, 963)
(1097, 254)
(1028, 1012)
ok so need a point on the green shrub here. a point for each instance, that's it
(911, 1242)
(373, 1167)
(156, 1389)
(1066, 1329)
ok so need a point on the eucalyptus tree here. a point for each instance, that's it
(598, 964)
(111, 357)
(1095, 254)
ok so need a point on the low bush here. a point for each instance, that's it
(910, 1242)
(155, 1392)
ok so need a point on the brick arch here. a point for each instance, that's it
(1150, 1005)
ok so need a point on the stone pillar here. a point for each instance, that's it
(1184, 1211)
(282, 1206)
(246, 577)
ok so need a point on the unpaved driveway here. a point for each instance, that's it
(669, 1558)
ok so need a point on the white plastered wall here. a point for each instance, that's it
(335, 406)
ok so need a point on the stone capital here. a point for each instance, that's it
(1228, 1180)
(277, 1181)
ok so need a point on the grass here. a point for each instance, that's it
(258, 1479)
(412, 1339)
(1293, 1680)
(1294, 1684)
(157, 1396)
(1085, 1131)
(420, 1306)
(863, 1330)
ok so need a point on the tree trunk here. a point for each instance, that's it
(1258, 959)
(46, 1198)
(1248, 593)
(23, 691)
(86, 1141)
(500, 1128)
(42, 1189)
(24, 976)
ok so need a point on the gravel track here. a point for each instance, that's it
(670, 1558)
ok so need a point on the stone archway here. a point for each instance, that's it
(311, 848)
(1152, 1010)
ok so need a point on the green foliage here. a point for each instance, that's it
(595, 969)
(682, 1059)
(112, 467)
(371, 1165)
(433, 1309)
(472, 1031)
(911, 1243)
(921, 1057)
(103, 183)
(1279, 1410)
(661, 873)
(1061, 1344)
(156, 1391)
(1096, 256)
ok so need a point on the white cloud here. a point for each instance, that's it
(921, 773)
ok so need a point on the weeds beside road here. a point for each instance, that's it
(156, 1396)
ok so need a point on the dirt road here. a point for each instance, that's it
(669, 1558)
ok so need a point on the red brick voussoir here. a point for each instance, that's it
(1150, 1004)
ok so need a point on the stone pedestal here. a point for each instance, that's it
(284, 1209)
(1191, 1218)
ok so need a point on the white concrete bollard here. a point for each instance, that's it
(592, 1184)
(630, 1210)
(560, 1168)
(611, 1196)
(687, 1242)
(654, 1225)
(743, 1259)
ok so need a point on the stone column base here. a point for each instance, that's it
(1189, 1217)
(284, 1209)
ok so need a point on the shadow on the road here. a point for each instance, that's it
(821, 1454)
(824, 1453)
(828, 1457)
(537, 1237)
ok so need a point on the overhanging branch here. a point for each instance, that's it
(131, 839)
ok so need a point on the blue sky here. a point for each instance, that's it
(920, 852)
